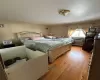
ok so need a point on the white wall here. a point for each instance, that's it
(62, 30)
(9, 29)
(58, 30)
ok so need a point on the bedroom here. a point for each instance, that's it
(49, 39)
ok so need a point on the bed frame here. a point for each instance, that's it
(53, 54)
(57, 52)
(28, 34)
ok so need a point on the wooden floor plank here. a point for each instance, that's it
(71, 66)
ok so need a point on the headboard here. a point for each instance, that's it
(28, 34)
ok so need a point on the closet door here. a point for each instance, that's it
(2, 73)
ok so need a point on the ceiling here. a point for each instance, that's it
(46, 11)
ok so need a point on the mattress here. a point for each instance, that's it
(47, 45)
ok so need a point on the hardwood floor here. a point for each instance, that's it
(71, 66)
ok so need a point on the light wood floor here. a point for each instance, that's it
(71, 66)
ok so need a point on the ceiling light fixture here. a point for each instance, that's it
(64, 12)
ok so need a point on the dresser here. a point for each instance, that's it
(94, 66)
(2, 73)
(85, 74)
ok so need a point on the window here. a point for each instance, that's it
(78, 33)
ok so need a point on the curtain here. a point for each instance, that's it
(71, 30)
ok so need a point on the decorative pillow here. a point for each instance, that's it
(38, 38)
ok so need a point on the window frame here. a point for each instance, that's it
(78, 34)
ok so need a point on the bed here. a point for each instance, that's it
(53, 47)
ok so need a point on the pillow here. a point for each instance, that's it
(38, 38)
(25, 38)
(30, 44)
(50, 37)
(28, 38)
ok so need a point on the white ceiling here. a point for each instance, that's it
(46, 11)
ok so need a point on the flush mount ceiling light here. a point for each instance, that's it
(64, 12)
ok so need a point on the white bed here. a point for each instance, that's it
(53, 47)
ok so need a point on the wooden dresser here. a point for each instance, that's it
(2, 73)
(86, 72)
(94, 68)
